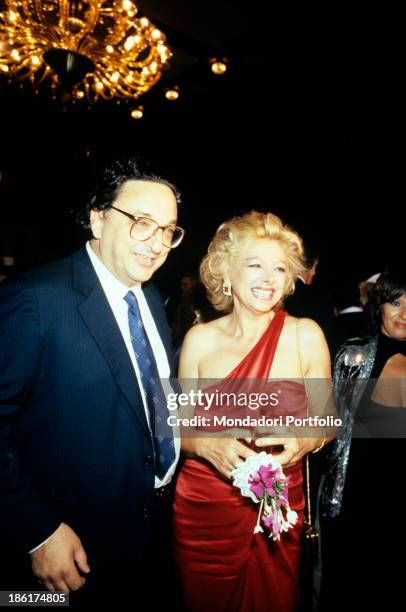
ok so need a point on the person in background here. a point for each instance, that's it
(365, 288)
(181, 294)
(361, 494)
(85, 466)
(311, 301)
(194, 307)
(7, 267)
(351, 319)
(184, 316)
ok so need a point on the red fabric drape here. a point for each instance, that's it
(222, 565)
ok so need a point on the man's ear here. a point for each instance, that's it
(96, 222)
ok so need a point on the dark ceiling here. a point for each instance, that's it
(304, 123)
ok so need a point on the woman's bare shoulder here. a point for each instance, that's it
(206, 333)
(308, 328)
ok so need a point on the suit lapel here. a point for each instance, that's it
(96, 313)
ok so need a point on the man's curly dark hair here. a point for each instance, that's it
(111, 181)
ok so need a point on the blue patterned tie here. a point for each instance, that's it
(162, 436)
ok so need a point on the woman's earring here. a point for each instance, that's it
(227, 288)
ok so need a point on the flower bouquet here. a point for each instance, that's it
(261, 478)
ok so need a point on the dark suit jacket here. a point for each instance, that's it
(74, 442)
(350, 325)
(314, 303)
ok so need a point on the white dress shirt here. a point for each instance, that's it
(115, 292)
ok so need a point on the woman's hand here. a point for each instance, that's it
(293, 448)
(225, 454)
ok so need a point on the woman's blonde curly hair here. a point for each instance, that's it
(232, 238)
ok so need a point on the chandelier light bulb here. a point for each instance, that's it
(218, 67)
(156, 34)
(138, 112)
(172, 93)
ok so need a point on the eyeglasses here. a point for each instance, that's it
(144, 228)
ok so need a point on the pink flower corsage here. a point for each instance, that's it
(261, 478)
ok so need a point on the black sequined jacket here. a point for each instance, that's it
(352, 370)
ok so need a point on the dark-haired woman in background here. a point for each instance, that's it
(363, 531)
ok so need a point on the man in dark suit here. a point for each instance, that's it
(84, 475)
(311, 301)
(351, 320)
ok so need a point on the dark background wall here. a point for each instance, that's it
(307, 123)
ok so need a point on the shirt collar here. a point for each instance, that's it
(351, 309)
(111, 285)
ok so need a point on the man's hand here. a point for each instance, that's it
(56, 562)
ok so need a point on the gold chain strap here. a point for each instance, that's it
(309, 505)
(308, 518)
(311, 535)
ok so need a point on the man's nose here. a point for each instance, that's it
(156, 241)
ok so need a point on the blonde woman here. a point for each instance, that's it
(251, 265)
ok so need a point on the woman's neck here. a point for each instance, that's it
(248, 325)
(385, 333)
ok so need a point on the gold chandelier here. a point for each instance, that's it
(93, 48)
